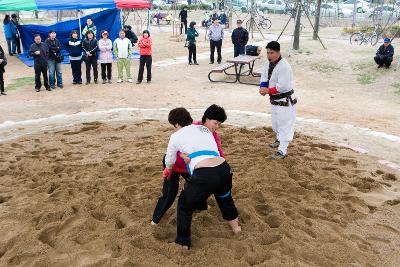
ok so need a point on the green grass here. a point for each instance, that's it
(366, 78)
(20, 82)
(325, 66)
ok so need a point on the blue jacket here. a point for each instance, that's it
(10, 30)
(74, 47)
(389, 51)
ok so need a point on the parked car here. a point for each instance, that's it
(272, 6)
(362, 6)
(331, 10)
(385, 11)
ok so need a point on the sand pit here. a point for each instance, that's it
(84, 196)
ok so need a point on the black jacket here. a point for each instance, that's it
(41, 59)
(54, 48)
(3, 57)
(90, 46)
(183, 15)
(389, 51)
(131, 36)
(240, 36)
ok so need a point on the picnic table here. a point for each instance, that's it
(239, 64)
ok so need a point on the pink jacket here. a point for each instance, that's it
(144, 45)
(180, 165)
(105, 47)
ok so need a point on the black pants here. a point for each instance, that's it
(383, 60)
(76, 66)
(192, 53)
(18, 45)
(184, 25)
(203, 183)
(106, 71)
(145, 60)
(1, 81)
(91, 62)
(169, 192)
(213, 45)
(41, 70)
(238, 50)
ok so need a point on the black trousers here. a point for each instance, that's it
(169, 193)
(76, 67)
(184, 25)
(192, 52)
(1, 81)
(41, 70)
(145, 60)
(239, 50)
(204, 182)
(383, 60)
(106, 71)
(213, 45)
(19, 45)
(91, 62)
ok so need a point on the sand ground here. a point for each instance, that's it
(83, 195)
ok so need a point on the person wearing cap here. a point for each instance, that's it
(55, 59)
(123, 53)
(277, 82)
(106, 57)
(384, 55)
(240, 37)
(216, 35)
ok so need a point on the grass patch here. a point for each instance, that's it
(396, 85)
(325, 66)
(366, 78)
(20, 82)
(362, 65)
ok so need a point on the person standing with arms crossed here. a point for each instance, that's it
(277, 82)
(145, 43)
(216, 35)
(183, 15)
(240, 37)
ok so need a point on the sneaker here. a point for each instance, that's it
(278, 155)
(88, 82)
(95, 81)
(130, 80)
(104, 81)
(48, 89)
(80, 82)
(190, 63)
(149, 81)
(138, 82)
(196, 63)
(380, 66)
(109, 81)
(60, 86)
(211, 62)
(74, 82)
(119, 81)
(2, 93)
(37, 90)
(52, 87)
(275, 144)
(219, 62)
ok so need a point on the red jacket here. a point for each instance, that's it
(145, 46)
(180, 165)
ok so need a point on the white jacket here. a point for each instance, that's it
(122, 47)
(281, 78)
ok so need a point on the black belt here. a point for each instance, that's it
(287, 95)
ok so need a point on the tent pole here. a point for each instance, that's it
(148, 19)
(80, 24)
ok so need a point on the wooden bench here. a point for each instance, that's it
(221, 69)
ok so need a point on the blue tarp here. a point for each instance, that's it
(108, 20)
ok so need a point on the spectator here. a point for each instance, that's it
(106, 57)
(216, 34)
(183, 15)
(144, 45)
(214, 16)
(223, 18)
(123, 53)
(40, 53)
(14, 19)
(206, 19)
(191, 42)
(10, 32)
(130, 34)
(90, 46)
(90, 26)
(240, 37)
(74, 48)
(3, 63)
(55, 59)
(384, 55)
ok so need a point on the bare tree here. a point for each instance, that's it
(317, 18)
(297, 27)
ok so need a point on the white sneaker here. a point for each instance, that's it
(119, 81)
(130, 80)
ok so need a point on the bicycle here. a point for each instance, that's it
(261, 20)
(363, 37)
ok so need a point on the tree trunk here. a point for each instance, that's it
(317, 17)
(296, 37)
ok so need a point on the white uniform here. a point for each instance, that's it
(191, 139)
(283, 117)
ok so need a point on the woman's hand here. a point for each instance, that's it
(185, 158)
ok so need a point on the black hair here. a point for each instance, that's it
(146, 31)
(274, 45)
(89, 18)
(180, 116)
(90, 31)
(14, 16)
(129, 27)
(51, 31)
(191, 25)
(214, 112)
(36, 35)
(72, 32)
(6, 19)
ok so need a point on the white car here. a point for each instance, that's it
(331, 10)
(385, 11)
(272, 6)
(362, 6)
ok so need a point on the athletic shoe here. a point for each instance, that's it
(104, 81)
(80, 82)
(138, 82)
(60, 86)
(87, 83)
(109, 81)
(130, 80)
(278, 155)
(74, 82)
(275, 144)
(149, 81)
(190, 63)
(196, 63)
(119, 81)
(2, 93)
(48, 89)
(52, 87)
(37, 90)
(95, 81)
